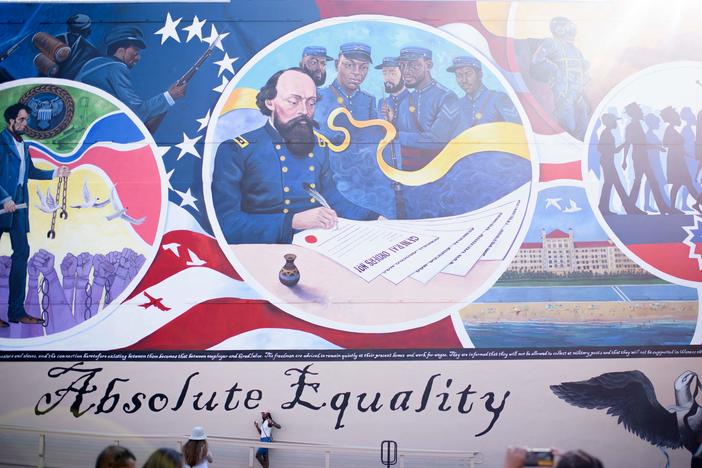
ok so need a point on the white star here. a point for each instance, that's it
(169, 29)
(187, 199)
(161, 151)
(226, 64)
(188, 146)
(215, 36)
(169, 174)
(195, 29)
(204, 121)
(221, 87)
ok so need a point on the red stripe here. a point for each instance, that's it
(212, 322)
(555, 171)
(167, 264)
(671, 258)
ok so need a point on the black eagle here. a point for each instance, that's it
(629, 396)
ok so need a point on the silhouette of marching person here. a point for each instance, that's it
(635, 138)
(654, 149)
(678, 173)
(688, 134)
(607, 149)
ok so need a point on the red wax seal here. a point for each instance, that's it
(311, 239)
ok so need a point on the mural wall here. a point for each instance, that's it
(326, 192)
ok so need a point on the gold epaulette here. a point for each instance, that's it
(241, 141)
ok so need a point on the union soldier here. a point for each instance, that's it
(356, 171)
(427, 119)
(260, 178)
(79, 29)
(562, 64)
(314, 62)
(113, 74)
(394, 85)
(345, 90)
(480, 105)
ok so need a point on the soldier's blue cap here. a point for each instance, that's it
(125, 33)
(414, 52)
(356, 50)
(388, 62)
(79, 22)
(316, 51)
(465, 61)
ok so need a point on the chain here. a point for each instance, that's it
(108, 286)
(87, 313)
(43, 291)
(62, 194)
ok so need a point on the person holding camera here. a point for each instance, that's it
(266, 431)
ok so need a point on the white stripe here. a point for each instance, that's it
(274, 338)
(178, 219)
(129, 323)
(559, 148)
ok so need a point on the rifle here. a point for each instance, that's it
(12, 48)
(153, 123)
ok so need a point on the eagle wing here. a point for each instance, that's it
(629, 396)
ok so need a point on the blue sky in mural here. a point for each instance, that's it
(386, 40)
(563, 215)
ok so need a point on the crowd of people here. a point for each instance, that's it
(196, 453)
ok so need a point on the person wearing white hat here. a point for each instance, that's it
(196, 453)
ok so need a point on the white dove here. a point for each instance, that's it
(553, 202)
(88, 201)
(48, 203)
(194, 259)
(120, 211)
(573, 208)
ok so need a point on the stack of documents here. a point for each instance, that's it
(422, 248)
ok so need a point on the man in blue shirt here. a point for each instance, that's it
(16, 168)
(113, 74)
(426, 120)
(480, 105)
(267, 183)
(314, 62)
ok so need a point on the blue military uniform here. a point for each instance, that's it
(113, 76)
(360, 103)
(258, 185)
(356, 171)
(427, 119)
(486, 105)
(14, 174)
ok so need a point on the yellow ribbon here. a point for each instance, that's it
(504, 137)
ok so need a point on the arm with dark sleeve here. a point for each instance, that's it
(238, 226)
(4, 156)
(441, 129)
(121, 82)
(343, 207)
(35, 173)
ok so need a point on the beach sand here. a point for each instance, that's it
(575, 312)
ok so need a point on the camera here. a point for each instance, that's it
(539, 457)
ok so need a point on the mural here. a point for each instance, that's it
(267, 186)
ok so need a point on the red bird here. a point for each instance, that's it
(153, 301)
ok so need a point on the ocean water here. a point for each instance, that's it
(608, 293)
(545, 334)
